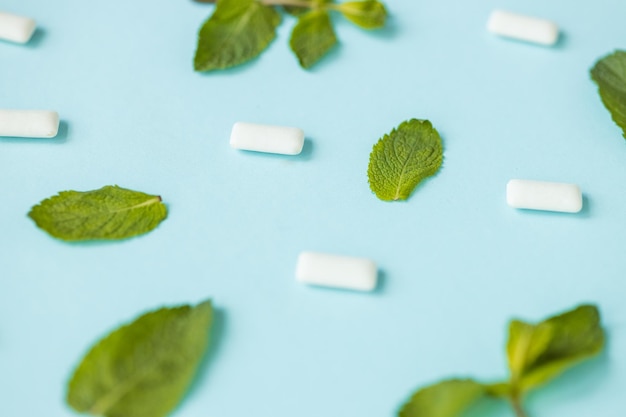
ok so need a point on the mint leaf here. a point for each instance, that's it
(609, 73)
(111, 212)
(556, 344)
(236, 32)
(526, 343)
(446, 399)
(368, 14)
(403, 158)
(143, 368)
(295, 10)
(312, 37)
(498, 390)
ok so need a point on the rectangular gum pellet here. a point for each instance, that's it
(336, 271)
(29, 123)
(16, 28)
(525, 28)
(266, 138)
(543, 195)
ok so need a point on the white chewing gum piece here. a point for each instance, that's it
(16, 28)
(29, 123)
(336, 271)
(543, 195)
(265, 138)
(525, 28)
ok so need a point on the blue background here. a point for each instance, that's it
(456, 263)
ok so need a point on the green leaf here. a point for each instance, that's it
(368, 14)
(498, 390)
(609, 73)
(526, 343)
(144, 368)
(305, 6)
(108, 213)
(238, 31)
(403, 158)
(312, 37)
(295, 10)
(554, 345)
(446, 399)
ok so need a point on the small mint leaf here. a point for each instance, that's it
(609, 73)
(403, 158)
(526, 343)
(445, 399)
(368, 14)
(143, 368)
(237, 31)
(574, 336)
(111, 212)
(312, 37)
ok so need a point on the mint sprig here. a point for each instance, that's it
(240, 30)
(536, 354)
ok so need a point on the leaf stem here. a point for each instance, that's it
(516, 403)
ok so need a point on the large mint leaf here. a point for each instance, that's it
(111, 212)
(448, 398)
(143, 368)
(312, 37)
(610, 75)
(553, 345)
(403, 158)
(238, 31)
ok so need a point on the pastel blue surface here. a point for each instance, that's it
(456, 263)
